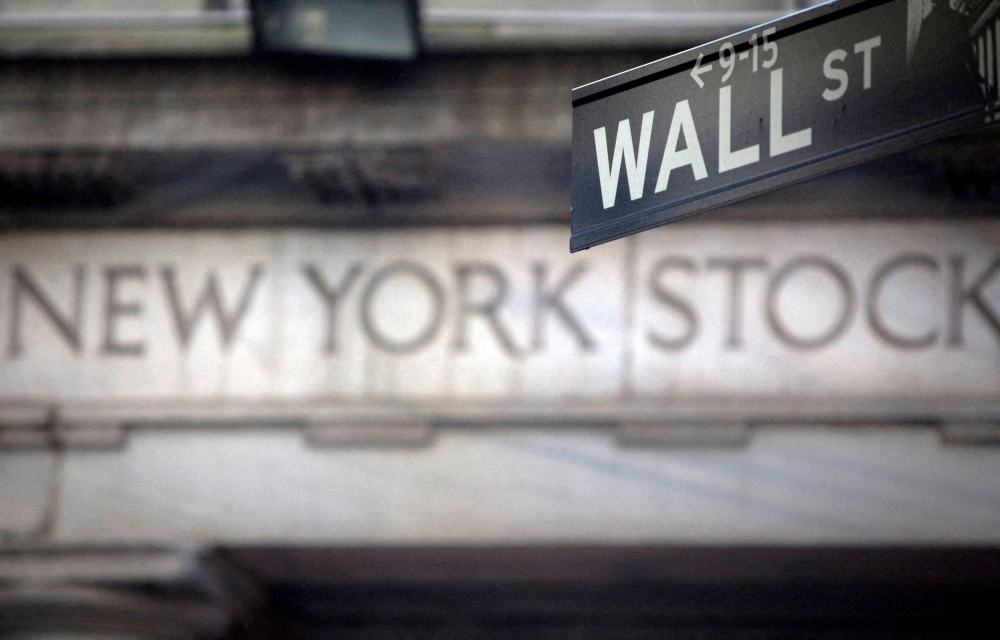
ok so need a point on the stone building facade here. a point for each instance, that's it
(294, 348)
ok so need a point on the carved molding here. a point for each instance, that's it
(711, 422)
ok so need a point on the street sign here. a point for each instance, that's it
(817, 91)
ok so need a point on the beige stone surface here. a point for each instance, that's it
(530, 412)
(28, 491)
(231, 104)
(790, 485)
(819, 314)
(897, 325)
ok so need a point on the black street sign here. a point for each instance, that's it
(819, 90)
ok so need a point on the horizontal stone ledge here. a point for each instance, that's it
(81, 565)
(444, 30)
(252, 103)
(659, 434)
(459, 413)
(447, 30)
(26, 427)
(715, 424)
(972, 434)
(41, 427)
(359, 433)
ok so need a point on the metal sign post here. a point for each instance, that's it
(817, 91)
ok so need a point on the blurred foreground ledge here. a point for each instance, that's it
(533, 592)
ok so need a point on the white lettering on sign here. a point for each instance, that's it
(729, 159)
(771, 47)
(736, 149)
(635, 163)
(840, 75)
(835, 73)
(780, 142)
(727, 60)
(681, 123)
(698, 71)
(865, 48)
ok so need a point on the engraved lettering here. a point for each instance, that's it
(961, 296)
(846, 310)
(210, 297)
(736, 267)
(115, 308)
(376, 335)
(68, 327)
(875, 320)
(488, 309)
(331, 298)
(675, 302)
(547, 300)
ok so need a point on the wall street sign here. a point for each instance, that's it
(814, 92)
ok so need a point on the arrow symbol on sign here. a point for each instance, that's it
(699, 70)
